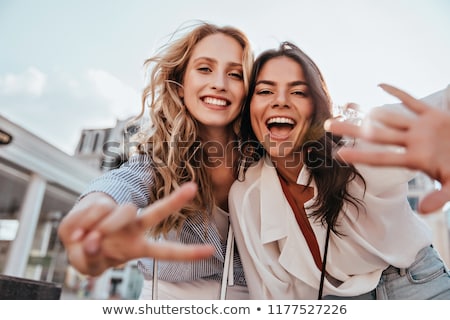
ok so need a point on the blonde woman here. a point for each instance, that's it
(196, 90)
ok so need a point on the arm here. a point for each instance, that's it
(424, 135)
(128, 184)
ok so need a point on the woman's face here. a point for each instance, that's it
(213, 85)
(281, 107)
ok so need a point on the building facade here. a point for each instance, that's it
(105, 149)
(38, 185)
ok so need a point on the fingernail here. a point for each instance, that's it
(77, 235)
(92, 243)
(327, 125)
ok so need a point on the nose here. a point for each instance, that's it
(280, 100)
(219, 81)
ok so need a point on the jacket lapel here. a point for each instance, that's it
(278, 224)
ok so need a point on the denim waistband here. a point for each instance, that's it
(402, 271)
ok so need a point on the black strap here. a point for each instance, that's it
(324, 264)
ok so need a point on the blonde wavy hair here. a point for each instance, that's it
(173, 142)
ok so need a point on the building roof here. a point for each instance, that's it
(33, 154)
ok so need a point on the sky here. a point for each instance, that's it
(78, 64)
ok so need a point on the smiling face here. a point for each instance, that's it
(281, 107)
(213, 86)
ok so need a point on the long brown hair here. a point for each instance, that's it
(331, 176)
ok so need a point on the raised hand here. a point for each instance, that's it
(424, 136)
(99, 234)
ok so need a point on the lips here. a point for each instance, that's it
(280, 127)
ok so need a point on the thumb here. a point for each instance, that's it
(435, 200)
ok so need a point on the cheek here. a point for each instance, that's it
(190, 96)
(253, 123)
(239, 91)
(256, 121)
(191, 83)
(307, 111)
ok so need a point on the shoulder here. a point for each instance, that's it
(140, 165)
(245, 193)
(140, 159)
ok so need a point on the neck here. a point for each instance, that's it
(222, 136)
(219, 148)
(288, 169)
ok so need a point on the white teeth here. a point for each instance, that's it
(280, 120)
(217, 102)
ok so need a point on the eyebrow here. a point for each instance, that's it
(234, 64)
(291, 84)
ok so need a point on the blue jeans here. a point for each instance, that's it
(427, 278)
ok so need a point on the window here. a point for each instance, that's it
(94, 148)
(80, 146)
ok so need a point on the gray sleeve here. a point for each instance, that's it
(128, 184)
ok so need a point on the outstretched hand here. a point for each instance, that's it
(424, 137)
(99, 234)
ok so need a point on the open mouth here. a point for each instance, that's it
(280, 127)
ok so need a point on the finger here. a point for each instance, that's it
(86, 265)
(375, 132)
(391, 119)
(92, 243)
(367, 131)
(377, 158)
(77, 226)
(176, 252)
(117, 219)
(434, 200)
(82, 218)
(162, 208)
(410, 102)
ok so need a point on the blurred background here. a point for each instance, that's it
(71, 77)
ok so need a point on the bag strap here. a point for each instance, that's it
(227, 276)
(155, 280)
(324, 264)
